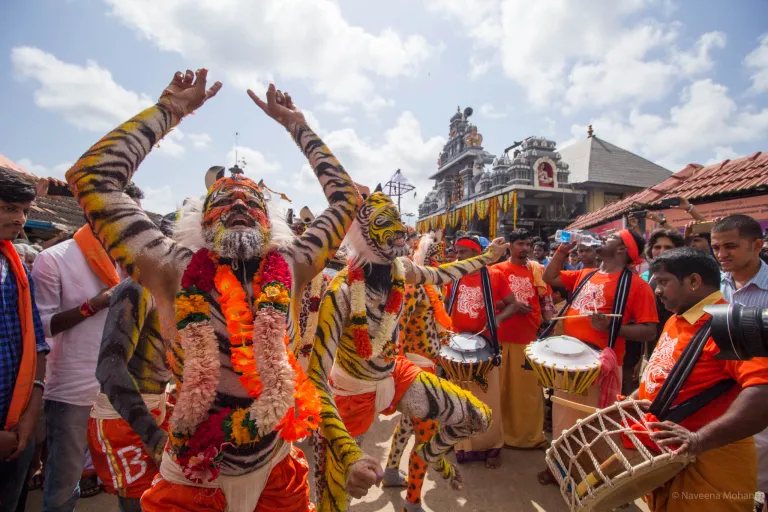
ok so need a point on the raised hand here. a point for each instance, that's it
(279, 106)
(498, 248)
(187, 92)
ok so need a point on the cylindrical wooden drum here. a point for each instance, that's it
(467, 359)
(602, 462)
(563, 363)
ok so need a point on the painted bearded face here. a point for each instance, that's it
(382, 228)
(235, 221)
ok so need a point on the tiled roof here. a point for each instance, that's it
(594, 160)
(695, 183)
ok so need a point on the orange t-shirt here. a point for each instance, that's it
(599, 293)
(468, 313)
(520, 329)
(678, 332)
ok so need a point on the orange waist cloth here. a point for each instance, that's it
(358, 411)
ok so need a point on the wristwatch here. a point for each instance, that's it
(689, 209)
(39, 384)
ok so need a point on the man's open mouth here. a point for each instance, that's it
(399, 240)
(239, 221)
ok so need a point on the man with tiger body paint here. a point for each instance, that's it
(223, 299)
(424, 328)
(359, 317)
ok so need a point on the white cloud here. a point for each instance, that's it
(489, 111)
(723, 153)
(158, 200)
(706, 117)
(589, 53)
(200, 140)
(308, 40)
(757, 61)
(371, 162)
(85, 96)
(57, 171)
(253, 162)
(349, 120)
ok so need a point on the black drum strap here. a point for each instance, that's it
(662, 406)
(490, 312)
(568, 303)
(452, 298)
(619, 305)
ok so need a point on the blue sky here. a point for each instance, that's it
(674, 81)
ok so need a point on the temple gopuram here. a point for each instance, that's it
(525, 187)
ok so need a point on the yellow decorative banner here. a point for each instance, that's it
(514, 206)
(493, 221)
(482, 209)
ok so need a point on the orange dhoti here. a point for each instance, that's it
(118, 454)
(358, 411)
(286, 490)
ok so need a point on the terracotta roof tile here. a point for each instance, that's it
(695, 183)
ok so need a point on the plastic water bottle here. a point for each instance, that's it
(576, 236)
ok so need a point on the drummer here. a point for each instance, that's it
(620, 251)
(720, 433)
(521, 394)
(468, 316)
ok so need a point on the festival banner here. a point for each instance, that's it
(482, 209)
(514, 208)
(493, 221)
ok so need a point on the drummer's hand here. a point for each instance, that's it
(521, 308)
(671, 434)
(601, 322)
(362, 475)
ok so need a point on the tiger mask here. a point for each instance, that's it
(377, 235)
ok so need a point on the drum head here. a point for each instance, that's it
(562, 351)
(463, 342)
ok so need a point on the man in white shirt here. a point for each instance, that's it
(74, 282)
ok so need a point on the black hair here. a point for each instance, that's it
(15, 187)
(562, 291)
(134, 192)
(540, 244)
(673, 234)
(685, 261)
(747, 227)
(518, 234)
(553, 246)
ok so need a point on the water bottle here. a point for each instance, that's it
(576, 236)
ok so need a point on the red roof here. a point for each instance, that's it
(695, 183)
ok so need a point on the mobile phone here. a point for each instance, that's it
(638, 214)
(702, 227)
(59, 190)
(669, 202)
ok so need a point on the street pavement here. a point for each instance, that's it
(513, 487)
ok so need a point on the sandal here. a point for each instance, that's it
(89, 487)
(546, 478)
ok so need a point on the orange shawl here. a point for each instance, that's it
(25, 380)
(97, 258)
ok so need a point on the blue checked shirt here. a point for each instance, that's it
(10, 335)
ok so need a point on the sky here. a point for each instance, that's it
(677, 82)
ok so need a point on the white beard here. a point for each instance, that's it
(243, 244)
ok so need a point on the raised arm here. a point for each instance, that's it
(125, 328)
(311, 252)
(551, 274)
(99, 177)
(449, 272)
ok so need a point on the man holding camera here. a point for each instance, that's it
(720, 404)
(736, 242)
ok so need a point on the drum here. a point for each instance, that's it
(563, 363)
(467, 358)
(602, 463)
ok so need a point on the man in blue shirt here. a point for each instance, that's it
(736, 243)
(19, 409)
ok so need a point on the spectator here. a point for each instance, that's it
(573, 262)
(22, 345)
(540, 253)
(736, 242)
(659, 242)
(74, 284)
(553, 249)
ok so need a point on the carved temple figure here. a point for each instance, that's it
(474, 139)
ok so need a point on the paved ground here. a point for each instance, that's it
(513, 487)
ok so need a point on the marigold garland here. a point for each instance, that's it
(291, 404)
(438, 309)
(364, 347)
(307, 340)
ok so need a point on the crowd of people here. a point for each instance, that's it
(177, 366)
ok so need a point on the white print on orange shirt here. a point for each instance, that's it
(660, 364)
(522, 288)
(590, 299)
(135, 462)
(470, 300)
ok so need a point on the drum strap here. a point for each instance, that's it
(662, 406)
(568, 303)
(490, 311)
